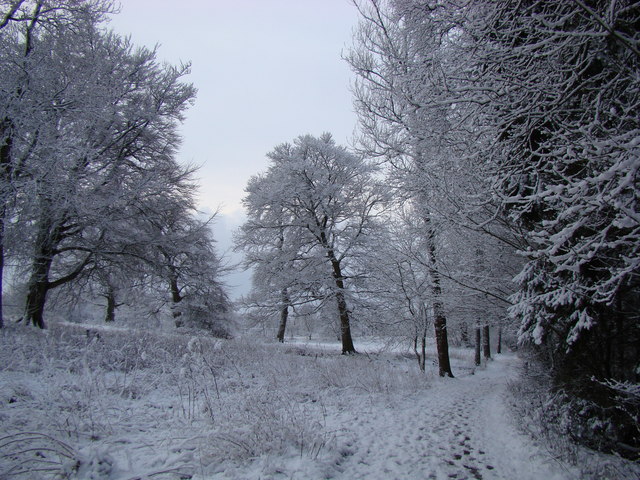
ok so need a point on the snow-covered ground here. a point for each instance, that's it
(139, 405)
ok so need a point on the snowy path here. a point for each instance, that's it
(460, 429)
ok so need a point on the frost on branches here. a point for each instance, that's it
(565, 110)
(520, 121)
(539, 102)
(308, 216)
(93, 197)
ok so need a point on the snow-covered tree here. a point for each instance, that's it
(568, 157)
(272, 250)
(520, 120)
(19, 21)
(37, 89)
(322, 201)
(181, 256)
(89, 142)
(409, 120)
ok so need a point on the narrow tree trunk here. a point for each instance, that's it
(110, 295)
(284, 315)
(442, 341)
(486, 343)
(421, 354)
(5, 178)
(478, 341)
(345, 328)
(499, 348)
(621, 370)
(415, 350)
(423, 347)
(176, 298)
(606, 341)
(175, 291)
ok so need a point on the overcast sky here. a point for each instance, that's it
(266, 72)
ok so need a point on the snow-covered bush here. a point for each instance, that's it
(267, 421)
(595, 420)
(565, 423)
(29, 453)
(198, 381)
(115, 403)
(215, 319)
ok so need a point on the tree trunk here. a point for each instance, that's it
(486, 343)
(37, 293)
(421, 355)
(49, 235)
(478, 341)
(423, 347)
(1, 264)
(39, 283)
(176, 298)
(464, 334)
(175, 291)
(499, 348)
(439, 318)
(47, 238)
(5, 178)
(284, 315)
(110, 295)
(343, 311)
(442, 341)
(345, 328)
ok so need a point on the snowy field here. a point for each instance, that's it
(112, 404)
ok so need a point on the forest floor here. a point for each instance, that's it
(115, 404)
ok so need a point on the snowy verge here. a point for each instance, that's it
(124, 405)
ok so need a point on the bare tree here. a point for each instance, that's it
(398, 283)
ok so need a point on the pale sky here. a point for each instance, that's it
(266, 72)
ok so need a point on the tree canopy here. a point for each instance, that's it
(88, 143)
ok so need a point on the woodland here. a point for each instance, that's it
(489, 204)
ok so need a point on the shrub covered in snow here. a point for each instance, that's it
(566, 421)
(87, 402)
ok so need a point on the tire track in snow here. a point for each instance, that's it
(459, 429)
